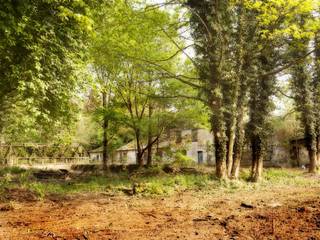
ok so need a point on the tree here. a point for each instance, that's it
(260, 107)
(302, 85)
(135, 47)
(41, 46)
(316, 85)
(239, 47)
(246, 33)
(277, 24)
(211, 30)
(108, 111)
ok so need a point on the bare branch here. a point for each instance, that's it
(282, 93)
(179, 96)
(287, 65)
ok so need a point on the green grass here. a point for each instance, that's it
(11, 170)
(152, 182)
(151, 185)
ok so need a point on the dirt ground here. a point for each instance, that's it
(292, 213)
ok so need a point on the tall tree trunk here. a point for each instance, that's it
(238, 145)
(149, 152)
(311, 142)
(259, 168)
(253, 156)
(220, 154)
(257, 158)
(210, 19)
(316, 82)
(105, 155)
(140, 152)
(318, 151)
(7, 155)
(239, 128)
(260, 107)
(313, 161)
(304, 90)
(230, 147)
(149, 149)
(245, 34)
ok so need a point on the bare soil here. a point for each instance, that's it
(284, 213)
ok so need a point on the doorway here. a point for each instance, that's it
(200, 157)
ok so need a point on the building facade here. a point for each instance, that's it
(194, 143)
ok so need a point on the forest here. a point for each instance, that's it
(159, 119)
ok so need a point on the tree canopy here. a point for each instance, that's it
(137, 69)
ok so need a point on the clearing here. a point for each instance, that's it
(286, 205)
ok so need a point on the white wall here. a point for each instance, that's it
(204, 141)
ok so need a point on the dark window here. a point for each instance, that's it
(123, 155)
(168, 134)
(194, 135)
(178, 137)
(160, 153)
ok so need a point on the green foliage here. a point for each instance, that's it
(271, 12)
(182, 160)
(11, 170)
(42, 46)
(133, 54)
(153, 182)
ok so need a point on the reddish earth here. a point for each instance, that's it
(277, 214)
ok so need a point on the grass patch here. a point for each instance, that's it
(11, 170)
(153, 181)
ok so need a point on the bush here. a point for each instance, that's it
(182, 160)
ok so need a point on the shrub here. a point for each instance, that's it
(182, 160)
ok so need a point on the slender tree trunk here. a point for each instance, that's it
(238, 146)
(105, 154)
(140, 161)
(7, 155)
(253, 156)
(239, 129)
(305, 98)
(244, 63)
(236, 162)
(317, 91)
(149, 150)
(318, 151)
(157, 145)
(149, 153)
(230, 147)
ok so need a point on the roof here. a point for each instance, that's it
(97, 150)
(131, 146)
